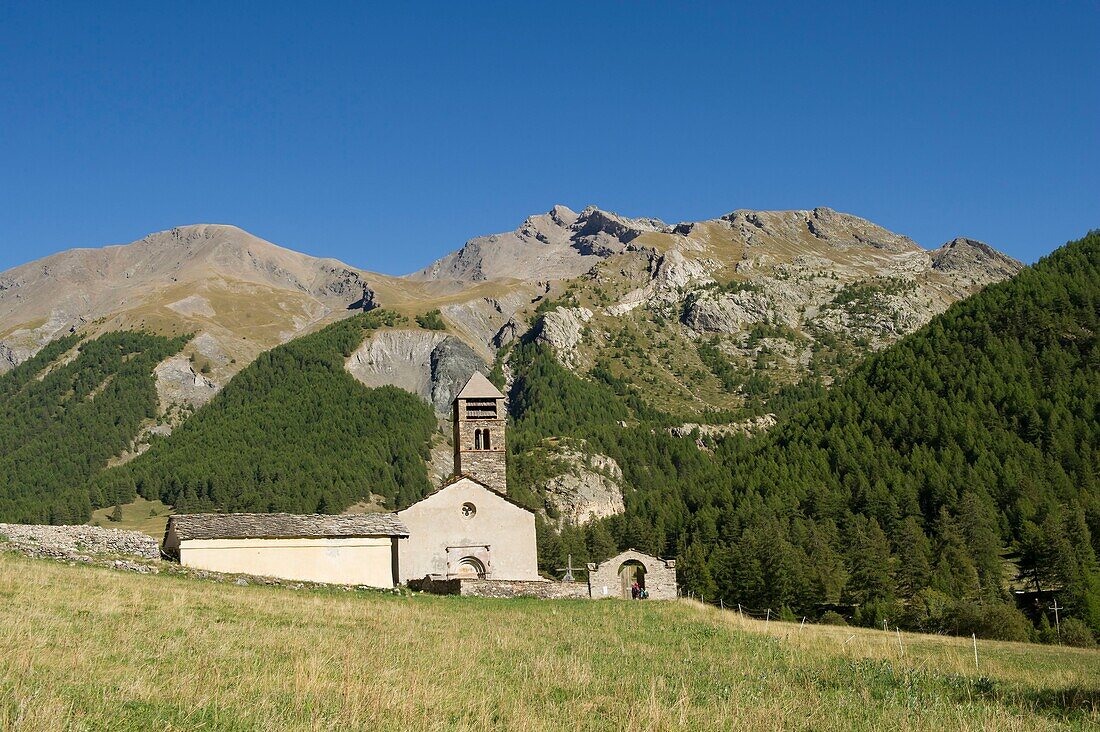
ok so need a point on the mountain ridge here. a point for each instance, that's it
(240, 295)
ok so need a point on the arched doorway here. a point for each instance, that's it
(470, 568)
(631, 571)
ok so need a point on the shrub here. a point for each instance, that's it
(1076, 633)
(929, 611)
(998, 621)
(431, 320)
(875, 612)
(831, 617)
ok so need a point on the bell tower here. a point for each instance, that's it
(479, 421)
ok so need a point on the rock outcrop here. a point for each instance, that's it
(432, 364)
(452, 363)
(589, 488)
(555, 245)
(178, 383)
(562, 329)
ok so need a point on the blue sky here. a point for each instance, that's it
(386, 135)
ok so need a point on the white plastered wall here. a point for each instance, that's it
(437, 524)
(346, 561)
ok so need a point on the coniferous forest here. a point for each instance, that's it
(945, 473)
(294, 431)
(61, 420)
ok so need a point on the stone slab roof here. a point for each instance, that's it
(284, 525)
(478, 387)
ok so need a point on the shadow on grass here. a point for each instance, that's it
(915, 688)
(1073, 702)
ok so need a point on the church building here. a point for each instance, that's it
(468, 528)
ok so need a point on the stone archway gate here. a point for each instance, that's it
(660, 576)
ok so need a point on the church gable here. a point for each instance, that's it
(465, 489)
(467, 529)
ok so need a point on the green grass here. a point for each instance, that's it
(148, 517)
(90, 648)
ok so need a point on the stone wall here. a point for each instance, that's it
(486, 467)
(660, 576)
(503, 589)
(70, 542)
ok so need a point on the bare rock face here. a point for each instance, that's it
(589, 489)
(452, 364)
(441, 462)
(510, 332)
(752, 426)
(12, 356)
(23, 343)
(179, 383)
(367, 302)
(562, 329)
(432, 364)
(670, 275)
(726, 313)
(555, 245)
(481, 319)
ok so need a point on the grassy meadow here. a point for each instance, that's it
(148, 517)
(88, 648)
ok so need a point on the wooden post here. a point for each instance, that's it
(768, 618)
(974, 638)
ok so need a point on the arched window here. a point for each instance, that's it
(477, 439)
(485, 443)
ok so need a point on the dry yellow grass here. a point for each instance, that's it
(90, 648)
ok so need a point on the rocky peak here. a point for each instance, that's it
(558, 244)
(974, 262)
(603, 233)
(563, 215)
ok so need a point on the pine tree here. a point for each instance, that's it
(872, 566)
(601, 545)
(914, 553)
(694, 574)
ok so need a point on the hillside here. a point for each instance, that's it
(126, 651)
(899, 493)
(292, 432)
(699, 315)
(718, 315)
(65, 413)
(236, 294)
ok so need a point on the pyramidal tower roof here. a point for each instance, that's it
(478, 387)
